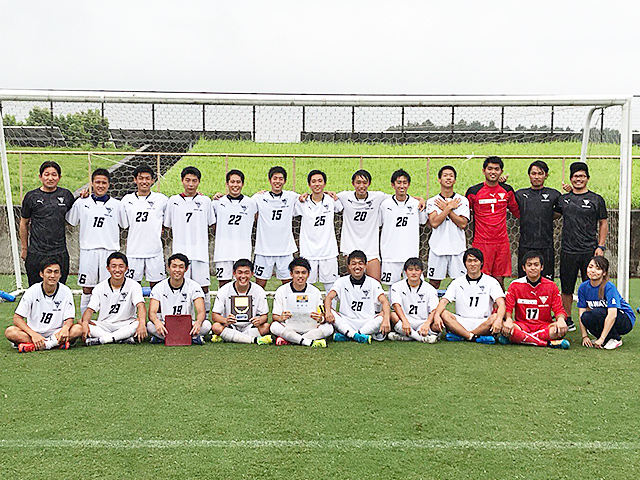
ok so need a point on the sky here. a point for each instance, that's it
(373, 47)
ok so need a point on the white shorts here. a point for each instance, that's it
(326, 271)
(470, 323)
(152, 268)
(263, 266)
(245, 327)
(373, 324)
(224, 270)
(199, 272)
(92, 268)
(438, 265)
(391, 272)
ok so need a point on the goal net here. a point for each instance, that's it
(338, 134)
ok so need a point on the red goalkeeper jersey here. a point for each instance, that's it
(534, 303)
(489, 206)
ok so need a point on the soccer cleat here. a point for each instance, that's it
(322, 343)
(26, 347)
(379, 337)
(197, 340)
(571, 326)
(612, 344)
(452, 337)
(432, 337)
(340, 337)
(281, 341)
(265, 340)
(155, 340)
(485, 339)
(130, 340)
(502, 340)
(64, 346)
(91, 341)
(216, 338)
(396, 337)
(563, 344)
(361, 338)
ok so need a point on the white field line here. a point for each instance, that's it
(320, 444)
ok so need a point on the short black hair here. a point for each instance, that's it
(243, 262)
(50, 164)
(361, 173)
(48, 262)
(576, 167)
(277, 169)
(101, 172)
(178, 256)
(191, 170)
(400, 173)
(300, 262)
(357, 254)
(476, 252)
(413, 262)
(144, 169)
(117, 256)
(542, 165)
(316, 172)
(532, 254)
(235, 172)
(447, 167)
(493, 159)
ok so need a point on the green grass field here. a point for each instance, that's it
(604, 172)
(390, 410)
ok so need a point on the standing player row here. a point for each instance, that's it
(190, 215)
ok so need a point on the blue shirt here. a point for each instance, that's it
(588, 296)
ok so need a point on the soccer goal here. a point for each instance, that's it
(83, 130)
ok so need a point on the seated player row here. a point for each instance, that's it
(190, 215)
(44, 318)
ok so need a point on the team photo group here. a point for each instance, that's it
(379, 239)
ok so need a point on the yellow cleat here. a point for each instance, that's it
(216, 338)
(322, 343)
(265, 340)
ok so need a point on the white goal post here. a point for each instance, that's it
(282, 100)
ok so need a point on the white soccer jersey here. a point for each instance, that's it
(361, 223)
(400, 238)
(189, 219)
(234, 226)
(358, 302)
(288, 300)
(116, 306)
(474, 298)
(259, 305)
(317, 231)
(177, 301)
(43, 313)
(144, 217)
(100, 222)
(416, 303)
(448, 238)
(274, 236)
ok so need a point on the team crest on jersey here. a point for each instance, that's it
(109, 210)
(284, 201)
(409, 208)
(501, 195)
(184, 296)
(61, 200)
(244, 208)
(421, 296)
(366, 293)
(481, 288)
(151, 204)
(544, 299)
(545, 196)
(198, 205)
(585, 201)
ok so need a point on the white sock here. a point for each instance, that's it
(120, 334)
(413, 335)
(205, 327)
(344, 326)
(51, 343)
(372, 326)
(232, 335)
(322, 331)
(289, 335)
(84, 302)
